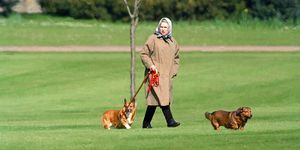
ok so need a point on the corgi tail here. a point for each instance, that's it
(207, 115)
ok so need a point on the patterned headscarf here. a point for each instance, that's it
(157, 32)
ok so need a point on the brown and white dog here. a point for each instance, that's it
(120, 118)
(231, 120)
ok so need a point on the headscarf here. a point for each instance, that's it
(157, 32)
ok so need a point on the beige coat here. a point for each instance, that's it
(165, 56)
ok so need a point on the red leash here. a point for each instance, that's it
(154, 80)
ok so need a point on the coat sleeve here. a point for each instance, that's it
(176, 60)
(146, 52)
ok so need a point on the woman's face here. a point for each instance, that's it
(164, 28)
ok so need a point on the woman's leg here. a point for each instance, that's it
(169, 117)
(148, 116)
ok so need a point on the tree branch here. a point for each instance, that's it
(137, 4)
(128, 9)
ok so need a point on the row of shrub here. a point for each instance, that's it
(175, 9)
(6, 6)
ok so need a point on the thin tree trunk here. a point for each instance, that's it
(134, 21)
(132, 65)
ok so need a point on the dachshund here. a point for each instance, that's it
(230, 120)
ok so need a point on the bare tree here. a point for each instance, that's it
(134, 21)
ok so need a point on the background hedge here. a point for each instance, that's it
(6, 6)
(177, 9)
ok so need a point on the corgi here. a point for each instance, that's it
(120, 118)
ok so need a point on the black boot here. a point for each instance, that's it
(169, 118)
(148, 116)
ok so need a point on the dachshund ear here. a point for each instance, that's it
(239, 110)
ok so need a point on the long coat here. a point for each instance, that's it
(165, 56)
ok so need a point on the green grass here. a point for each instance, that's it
(20, 30)
(54, 101)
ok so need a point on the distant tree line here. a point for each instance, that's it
(6, 6)
(175, 9)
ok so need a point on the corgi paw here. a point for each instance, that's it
(127, 126)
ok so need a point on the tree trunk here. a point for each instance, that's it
(132, 50)
(134, 21)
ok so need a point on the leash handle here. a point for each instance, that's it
(154, 81)
(146, 77)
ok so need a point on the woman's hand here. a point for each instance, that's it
(153, 69)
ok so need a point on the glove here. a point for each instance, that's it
(153, 69)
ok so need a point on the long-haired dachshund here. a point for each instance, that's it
(231, 120)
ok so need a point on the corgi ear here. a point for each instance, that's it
(132, 103)
(133, 100)
(124, 101)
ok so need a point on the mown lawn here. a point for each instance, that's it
(28, 30)
(54, 101)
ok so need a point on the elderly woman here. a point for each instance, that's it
(160, 55)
